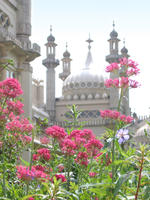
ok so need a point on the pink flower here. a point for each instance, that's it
(60, 177)
(15, 107)
(93, 147)
(133, 84)
(82, 158)
(44, 153)
(35, 157)
(75, 133)
(10, 88)
(124, 82)
(25, 174)
(112, 67)
(31, 198)
(68, 146)
(44, 140)
(92, 174)
(19, 125)
(113, 114)
(87, 134)
(40, 168)
(61, 168)
(26, 139)
(56, 132)
(133, 71)
(109, 83)
(126, 119)
(116, 82)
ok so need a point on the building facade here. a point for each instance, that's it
(15, 44)
(85, 89)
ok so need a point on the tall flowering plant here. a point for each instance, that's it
(71, 163)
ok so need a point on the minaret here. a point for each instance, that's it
(66, 61)
(125, 100)
(111, 58)
(50, 63)
(113, 47)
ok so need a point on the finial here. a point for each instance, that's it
(50, 28)
(113, 25)
(124, 41)
(66, 46)
(89, 41)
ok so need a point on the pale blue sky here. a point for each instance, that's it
(72, 20)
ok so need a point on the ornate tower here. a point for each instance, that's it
(66, 61)
(113, 57)
(50, 63)
(125, 100)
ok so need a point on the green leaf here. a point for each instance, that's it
(121, 180)
(120, 149)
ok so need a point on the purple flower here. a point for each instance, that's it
(122, 135)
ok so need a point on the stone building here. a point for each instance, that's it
(85, 89)
(15, 44)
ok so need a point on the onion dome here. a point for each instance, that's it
(85, 84)
(124, 50)
(51, 38)
(113, 34)
(66, 54)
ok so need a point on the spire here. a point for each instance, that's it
(124, 50)
(50, 29)
(89, 59)
(113, 34)
(113, 25)
(51, 38)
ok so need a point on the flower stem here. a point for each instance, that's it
(140, 175)
(4, 169)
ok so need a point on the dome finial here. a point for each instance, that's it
(89, 56)
(50, 28)
(113, 24)
(66, 54)
(89, 41)
(124, 50)
(66, 46)
(124, 42)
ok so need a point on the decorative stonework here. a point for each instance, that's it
(4, 20)
(86, 114)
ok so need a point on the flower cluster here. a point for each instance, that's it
(25, 174)
(19, 125)
(60, 177)
(56, 132)
(15, 107)
(10, 88)
(43, 153)
(68, 146)
(82, 158)
(125, 68)
(93, 147)
(123, 82)
(113, 114)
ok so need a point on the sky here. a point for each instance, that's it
(73, 20)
